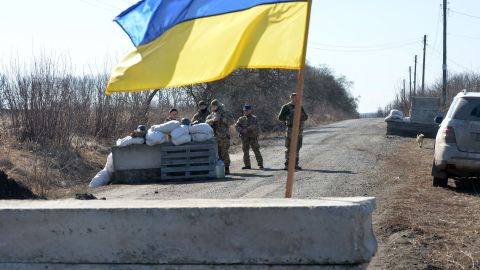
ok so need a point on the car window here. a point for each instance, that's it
(452, 108)
(475, 112)
(467, 109)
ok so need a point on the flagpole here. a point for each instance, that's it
(297, 114)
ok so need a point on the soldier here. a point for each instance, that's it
(172, 115)
(248, 129)
(221, 120)
(286, 116)
(202, 113)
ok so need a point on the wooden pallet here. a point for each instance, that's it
(195, 160)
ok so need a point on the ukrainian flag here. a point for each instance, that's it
(183, 42)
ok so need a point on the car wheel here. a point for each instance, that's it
(440, 182)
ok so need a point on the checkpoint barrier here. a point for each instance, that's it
(327, 233)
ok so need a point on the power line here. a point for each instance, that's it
(465, 14)
(463, 36)
(366, 47)
(340, 49)
(450, 60)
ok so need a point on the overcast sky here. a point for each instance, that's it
(371, 42)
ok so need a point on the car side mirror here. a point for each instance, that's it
(438, 119)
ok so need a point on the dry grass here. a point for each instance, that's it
(52, 174)
(426, 227)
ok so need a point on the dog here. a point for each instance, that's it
(420, 140)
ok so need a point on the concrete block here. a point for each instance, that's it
(248, 232)
(425, 103)
(136, 157)
(32, 266)
(423, 116)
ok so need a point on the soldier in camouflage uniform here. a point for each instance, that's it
(286, 116)
(221, 120)
(202, 113)
(248, 129)
(172, 115)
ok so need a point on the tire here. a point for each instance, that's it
(440, 182)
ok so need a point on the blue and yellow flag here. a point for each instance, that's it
(183, 42)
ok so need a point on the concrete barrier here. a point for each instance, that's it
(330, 233)
(424, 109)
(136, 157)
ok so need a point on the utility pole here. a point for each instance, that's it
(403, 93)
(444, 66)
(423, 72)
(410, 78)
(415, 78)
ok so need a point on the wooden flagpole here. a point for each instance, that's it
(298, 105)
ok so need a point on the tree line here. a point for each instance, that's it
(456, 83)
(45, 102)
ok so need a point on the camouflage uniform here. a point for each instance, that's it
(248, 129)
(286, 116)
(200, 116)
(222, 120)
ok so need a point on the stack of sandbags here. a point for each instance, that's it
(167, 127)
(158, 134)
(181, 135)
(201, 132)
(102, 178)
(155, 137)
(395, 116)
(129, 140)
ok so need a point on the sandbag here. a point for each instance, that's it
(166, 127)
(394, 116)
(109, 164)
(129, 141)
(201, 137)
(182, 139)
(200, 128)
(102, 178)
(179, 132)
(155, 137)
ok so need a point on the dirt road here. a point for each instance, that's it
(417, 226)
(339, 159)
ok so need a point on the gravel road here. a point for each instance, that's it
(340, 159)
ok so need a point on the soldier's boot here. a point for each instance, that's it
(227, 170)
(297, 167)
(258, 157)
(247, 166)
(246, 154)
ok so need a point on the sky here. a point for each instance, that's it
(371, 42)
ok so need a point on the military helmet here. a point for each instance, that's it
(215, 102)
(141, 128)
(247, 107)
(186, 121)
(201, 102)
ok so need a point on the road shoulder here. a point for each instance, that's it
(419, 226)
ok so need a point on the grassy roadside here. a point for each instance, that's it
(422, 227)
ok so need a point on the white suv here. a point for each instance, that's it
(457, 145)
